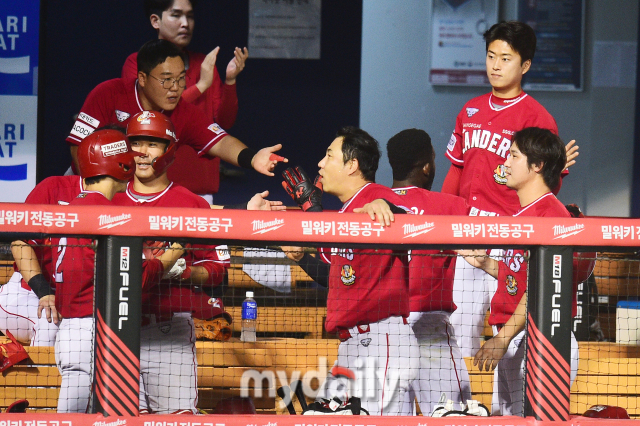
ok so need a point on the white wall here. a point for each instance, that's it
(396, 94)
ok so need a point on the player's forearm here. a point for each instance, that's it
(170, 256)
(26, 259)
(516, 323)
(199, 276)
(228, 150)
(316, 269)
(451, 184)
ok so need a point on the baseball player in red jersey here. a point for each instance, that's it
(478, 148)
(106, 164)
(167, 357)
(368, 299)
(174, 20)
(160, 83)
(537, 159)
(30, 316)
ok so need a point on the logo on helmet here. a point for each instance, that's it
(145, 117)
(114, 148)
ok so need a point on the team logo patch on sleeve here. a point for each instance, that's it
(223, 252)
(471, 111)
(215, 128)
(452, 142)
(499, 175)
(512, 285)
(122, 116)
(347, 275)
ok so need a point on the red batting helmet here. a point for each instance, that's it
(606, 412)
(106, 153)
(156, 125)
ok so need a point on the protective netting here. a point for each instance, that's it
(217, 372)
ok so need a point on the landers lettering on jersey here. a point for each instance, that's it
(484, 139)
(346, 253)
(514, 261)
(347, 275)
(512, 285)
(561, 231)
(107, 221)
(260, 226)
(500, 175)
(410, 230)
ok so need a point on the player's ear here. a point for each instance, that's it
(155, 21)
(352, 166)
(537, 167)
(142, 78)
(525, 66)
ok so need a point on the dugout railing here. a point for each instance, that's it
(551, 243)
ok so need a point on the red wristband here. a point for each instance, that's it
(186, 274)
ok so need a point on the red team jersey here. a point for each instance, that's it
(365, 286)
(215, 260)
(480, 144)
(74, 294)
(60, 190)
(219, 104)
(512, 271)
(116, 101)
(431, 272)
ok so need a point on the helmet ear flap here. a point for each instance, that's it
(161, 163)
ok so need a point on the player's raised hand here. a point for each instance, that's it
(307, 195)
(491, 353)
(48, 305)
(207, 69)
(236, 65)
(259, 202)
(572, 153)
(265, 161)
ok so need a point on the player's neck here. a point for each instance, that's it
(107, 187)
(507, 92)
(152, 185)
(532, 192)
(351, 188)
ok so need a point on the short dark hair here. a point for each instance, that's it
(518, 35)
(407, 150)
(155, 52)
(360, 145)
(95, 179)
(156, 7)
(541, 146)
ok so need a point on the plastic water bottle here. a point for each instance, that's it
(249, 317)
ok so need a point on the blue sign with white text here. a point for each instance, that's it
(19, 42)
(19, 50)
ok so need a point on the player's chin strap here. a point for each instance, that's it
(471, 408)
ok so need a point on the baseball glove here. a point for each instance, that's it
(215, 329)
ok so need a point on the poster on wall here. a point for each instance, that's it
(19, 42)
(285, 29)
(559, 27)
(457, 46)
